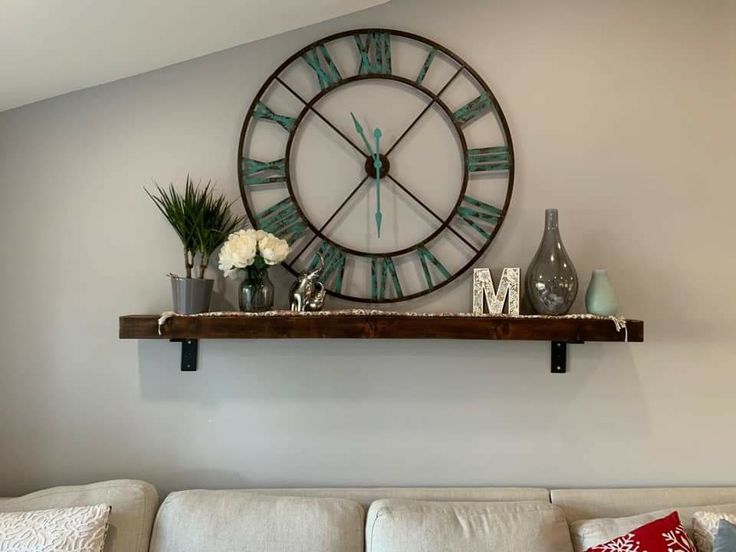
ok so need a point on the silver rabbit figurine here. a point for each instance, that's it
(307, 293)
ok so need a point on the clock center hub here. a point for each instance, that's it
(370, 167)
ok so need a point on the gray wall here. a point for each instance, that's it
(623, 117)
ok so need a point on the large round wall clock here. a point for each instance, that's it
(385, 154)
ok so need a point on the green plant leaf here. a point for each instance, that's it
(200, 218)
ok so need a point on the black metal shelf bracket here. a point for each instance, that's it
(558, 356)
(189, 350)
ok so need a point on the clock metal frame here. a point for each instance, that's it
(309, 107)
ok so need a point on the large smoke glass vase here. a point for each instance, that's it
(551, 280)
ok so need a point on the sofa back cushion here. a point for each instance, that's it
(606, 503)
(133, 505)
(420, 526)
(238, 521)
(367, 495)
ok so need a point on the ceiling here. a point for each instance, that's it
(50, 47)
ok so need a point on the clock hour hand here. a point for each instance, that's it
(359, 130)
(377, 165)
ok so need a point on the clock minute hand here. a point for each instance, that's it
(359, 130)
(377, 165)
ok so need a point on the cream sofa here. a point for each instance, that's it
(367, 519)
(134, 505)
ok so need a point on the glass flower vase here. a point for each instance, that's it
(256, 290)
(551, 280)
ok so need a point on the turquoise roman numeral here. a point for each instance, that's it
(473, 109)
(475, 213)
(426, 257)
(425, 68)
(258, 173)
(375, 54)
(334, 265)
(283, 220)
(495, 158)
(324, 67)
(382, 268)
(262, 111)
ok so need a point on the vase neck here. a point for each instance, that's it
(253, 273)
(550, 219)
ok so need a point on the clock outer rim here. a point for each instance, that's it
(464, 66)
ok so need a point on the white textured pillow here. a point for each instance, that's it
(587, 533)
(705, 527)
(80, 529)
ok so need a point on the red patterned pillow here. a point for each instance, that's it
(661, 535)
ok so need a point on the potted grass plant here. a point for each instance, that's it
(202, 219)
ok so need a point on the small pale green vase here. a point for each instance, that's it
(600, 299)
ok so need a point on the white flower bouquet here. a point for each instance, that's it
(253, 249)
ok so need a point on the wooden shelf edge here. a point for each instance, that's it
(340, 326)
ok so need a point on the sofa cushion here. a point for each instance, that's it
(608, 503)
(367, 495)
(77, 529)
(133, 509)
(420, 526)
(236, 521)
(592, 532)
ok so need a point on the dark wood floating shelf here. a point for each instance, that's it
(558, 331)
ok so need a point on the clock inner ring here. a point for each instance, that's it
(420, 223)
(370, 166)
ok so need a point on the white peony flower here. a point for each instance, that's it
(238, 251)
(272, 249)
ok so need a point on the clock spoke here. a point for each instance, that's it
(424, 111)
(332, 216)
(324, 119)
(431, 212)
